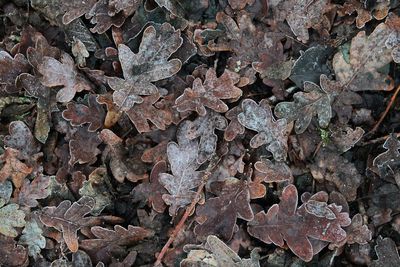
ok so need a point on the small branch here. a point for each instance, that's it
(378, 140)
(391, 102)
(180, 226)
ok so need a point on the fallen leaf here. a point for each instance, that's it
(13, 168)
(11, 216)
(11, 253)
(32, 191)
(387, 253)
(10, 68)
(33, 238)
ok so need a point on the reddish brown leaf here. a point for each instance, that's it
(79, 114)
(32, 191)
(11, 253)
(219, 214)
(109, 241)
(276, 172)
(234, 127)
(21, 139)
(287, 222)
(209, 93)
(83, 146)
(13, 168)
(68, 218)
(10, 68)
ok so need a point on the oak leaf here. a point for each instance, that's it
(11, 253)
(273, 172)
(150, 64)
(295, 225)
(32, 191)
(209, 93)
(271, 132)
(83, 146)
(13, 167)
(68, 218)
(33, 238)
(10, 68)
(387, 253)
(11, 216)
(388, 162)
(219, 214)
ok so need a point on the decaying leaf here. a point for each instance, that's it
(13, 167)
(204, 128)
(10, 68)
(32, 191)
(150, 64)
(11, 216)
(273, 172)
(6, 190)
(271, 132)
(387, 253)
(11, 253)
(108, 241)
(216, 253)
(79, 114)
(388, 162)
(209, 93)
(62, 73)
(357, 232)
(295, 225)
(33, 238)
(83, 146)
(234, 127)
(182, 157)
(315, 100)
(21, 139)
(68, 218)
(218, 216)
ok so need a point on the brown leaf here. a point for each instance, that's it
(271, 132)
(11, 253)
(142, 112)
(109, 241)
(151, 190)
(56, 73)
(210, 93)
(68, 218)
(183, 161)
(83, 146)
(21, 139)
(79, 114)
(287, 222)
(219, 214)
(13, 168)
(387, 253)
(32, 191)
(357, 232)
(10, 68)
(388, 161)
(273, 172)
(234, 127)
(119, 165)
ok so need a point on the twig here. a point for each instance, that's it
(180, 226)
(378, 140)
(391, 102)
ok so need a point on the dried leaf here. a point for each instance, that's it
(271, 132)
(83, 146)
(315, 100)
(10, 217)
(182, 158)
(219, 214)
(11, 253)
(21, 139)
(234, 127)
(107, 241)
(56, 73)
(388, 161)
(387, 253)
(33, 238)
(295, 225)
(79, 114)
(345, 138)
(204, 128)
(6, 190)
(209, 93)
(13, 167)
(150, 64)
(358, 68)
(273, 172)
(68, 218)
(10, 68)
(32, 191)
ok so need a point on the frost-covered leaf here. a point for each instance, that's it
(13, 168)
(79, 114)
(357, 232)
(21, 139)
(10, 68)
(68, 218)
(387, 253)
(271, 132)
(273, 172)
(300, 15)
(109, 241)
(219, 214)
(83, 146)
(150, 64)
(204, 128)
(33, 238)
(97, 187)
(6, 190)
(388, 162)
(315, 100)
(32, 191)
(10, 217)
(285, 222)
(209, 93)
(182, 157)
(234, 127)
(345, 137)
(62, 73)
(11, 253)
(359, 67)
